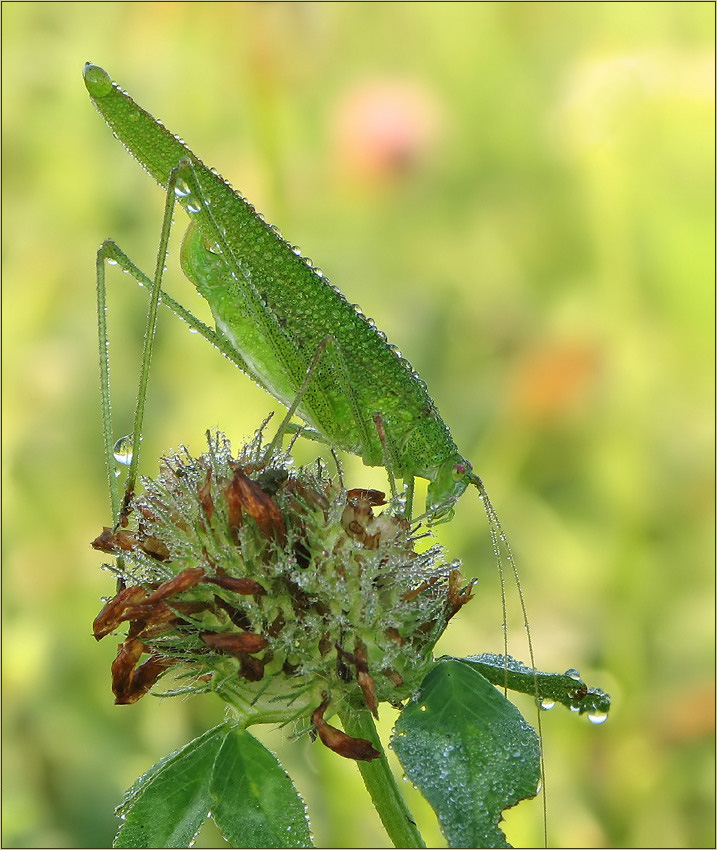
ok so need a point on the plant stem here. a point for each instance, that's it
(380, 782)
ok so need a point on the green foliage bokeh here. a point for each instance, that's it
(532, 225)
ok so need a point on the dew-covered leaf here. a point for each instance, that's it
(255, 803)
(566, 688)
(168, 804)
(469, 751)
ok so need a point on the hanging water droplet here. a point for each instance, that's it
(181, 189)
(573, 673)
(112, 262)
(597, 717)
(547, 704)
(123, 450)
(193, 206)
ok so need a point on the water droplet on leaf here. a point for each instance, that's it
(597, 717)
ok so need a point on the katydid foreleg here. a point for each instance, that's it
(105, 253)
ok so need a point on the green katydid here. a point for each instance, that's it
(273, 311)
(283, 324)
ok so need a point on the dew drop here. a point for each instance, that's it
(111, 262)
(193, 206)
(123, 450)
(573, 673)
(181, 189)
(597, 717)
(547, 704)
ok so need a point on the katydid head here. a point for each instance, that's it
(450, 482)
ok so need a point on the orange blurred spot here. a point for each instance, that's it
(553, 382)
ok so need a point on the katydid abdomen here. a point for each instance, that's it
(275, 310)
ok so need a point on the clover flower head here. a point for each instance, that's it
(274, 587)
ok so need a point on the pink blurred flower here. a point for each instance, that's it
(384, 129)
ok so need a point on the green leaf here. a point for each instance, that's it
(566, 688)
(226, 772)
(469, 751)
(167, 805)
(255, 801)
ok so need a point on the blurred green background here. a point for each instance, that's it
(522, 196)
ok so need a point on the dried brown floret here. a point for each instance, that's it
(115, 611)
(338, 741)
(235, 643)
(245, 496)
